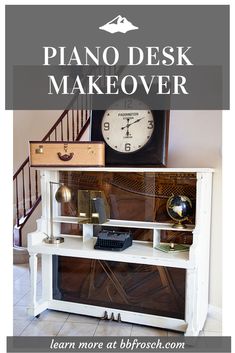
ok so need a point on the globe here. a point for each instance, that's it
(179, 208)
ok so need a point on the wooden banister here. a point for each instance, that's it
(71, 126)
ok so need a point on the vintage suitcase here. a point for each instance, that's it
(67, 154)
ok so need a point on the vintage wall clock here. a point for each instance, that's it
(132, 137)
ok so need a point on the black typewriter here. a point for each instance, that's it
(113, 240)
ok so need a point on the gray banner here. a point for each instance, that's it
(118, 344)
(186, 47)
(160, 88)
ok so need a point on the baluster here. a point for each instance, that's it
(62, 132)
(36, 184)
(67, 126)
(81, 118)
(30, 194)
(17, 204)
(77, 120)
(88, 115)
(23, 190)
(73, 123)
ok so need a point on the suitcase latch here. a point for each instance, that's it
(90, 149)
(39, 150)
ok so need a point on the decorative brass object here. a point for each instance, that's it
(179, 208)
(179, 225)
(39, 150)
(84, 206)
(92, 207)
(53, 240)
(90, 149)
(63, 194)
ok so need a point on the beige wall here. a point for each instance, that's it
(30, 125)
(195, 141)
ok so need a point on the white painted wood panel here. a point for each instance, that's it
(196, 261)
(130, 169)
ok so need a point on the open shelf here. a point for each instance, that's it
(128, 224)
(139, 252)
(128, 169)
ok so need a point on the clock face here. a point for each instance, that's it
(127, 131)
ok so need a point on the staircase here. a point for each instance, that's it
(70, 126)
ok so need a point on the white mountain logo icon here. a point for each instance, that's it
(118, 24)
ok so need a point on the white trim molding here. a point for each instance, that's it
(215, 312)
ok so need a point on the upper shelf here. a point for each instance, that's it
(129, 169)
(130, 224)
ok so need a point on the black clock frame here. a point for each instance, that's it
(153, 153)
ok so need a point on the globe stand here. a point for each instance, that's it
(179, 225)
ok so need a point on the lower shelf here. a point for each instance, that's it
(139, 252)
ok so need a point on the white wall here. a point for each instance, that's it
(194, 141)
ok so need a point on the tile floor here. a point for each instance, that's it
(54, 323)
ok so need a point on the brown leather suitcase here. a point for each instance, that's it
(67, 154)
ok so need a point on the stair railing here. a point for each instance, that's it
(70, 126)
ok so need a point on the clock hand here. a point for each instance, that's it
(127, 125)
(136, 121)
(127, 130)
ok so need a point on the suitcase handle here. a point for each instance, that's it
(65, 157)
